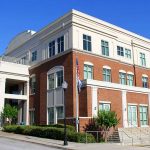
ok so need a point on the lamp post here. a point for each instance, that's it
(65, 86)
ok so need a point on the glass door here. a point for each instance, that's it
(143, 115)
(132, 115)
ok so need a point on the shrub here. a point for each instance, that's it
(50, 132)
(69, 127)
(106, 119)
(10, 128)
(102, 123)
(9, 112)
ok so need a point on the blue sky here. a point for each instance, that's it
(19, 15)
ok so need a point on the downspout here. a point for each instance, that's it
(133, 62)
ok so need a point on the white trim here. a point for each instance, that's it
(88, 63)
(132, 104)
(55, 69)
(122, 71)
(107, 67)
(143, 105)
(84, 117)
(124, 109)
(129, 72)
(144, 75)
(115, 86)
(94, 101)
(106, 102)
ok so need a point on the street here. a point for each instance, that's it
(9, 144)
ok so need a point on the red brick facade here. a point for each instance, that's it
(39, 100)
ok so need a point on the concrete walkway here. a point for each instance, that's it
(71, 145)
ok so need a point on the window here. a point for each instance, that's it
(59, 78)
(104, 106)
(51, 115)
(106, 74)
(87, 42)
(34, 55)
(145, 82)
(60, 112)
(142, 59)
(33, 84)
(88, 72)
(130, 79)
(122, 77)
(60, 43)
(128, 53)
(120, 51)
(51, 82)
(55, 79)
(32, 116)
(52, 48)
(105, 48)
(143, 115)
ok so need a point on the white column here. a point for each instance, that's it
(94, 101)
(2, 95)
(27, 104)
(124, 109)
(55, 111)
(20, 112)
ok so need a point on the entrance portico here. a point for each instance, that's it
(14, 89)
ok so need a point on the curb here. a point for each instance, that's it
(34, 142)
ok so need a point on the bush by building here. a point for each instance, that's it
(50, 132)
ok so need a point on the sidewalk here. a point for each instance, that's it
(71, 145)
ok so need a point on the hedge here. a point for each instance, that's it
(49, 132)
(69, 127)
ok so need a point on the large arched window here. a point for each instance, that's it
(55, 103)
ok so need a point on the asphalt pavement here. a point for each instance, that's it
(10, 144)
(10, 141)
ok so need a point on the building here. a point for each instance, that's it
(114, 67)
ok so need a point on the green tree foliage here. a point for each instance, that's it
(9, 112)
(106, 119)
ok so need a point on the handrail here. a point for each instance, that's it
(140, 129)
(127, 136)
(107, 133)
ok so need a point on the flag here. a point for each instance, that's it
(79, 83)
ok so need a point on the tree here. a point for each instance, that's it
(106, 120)
(10, 113)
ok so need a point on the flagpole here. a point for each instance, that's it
(77, 107)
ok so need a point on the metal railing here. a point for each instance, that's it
(108, 134)
(97, 136)
(140, 132)
(123, 137)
